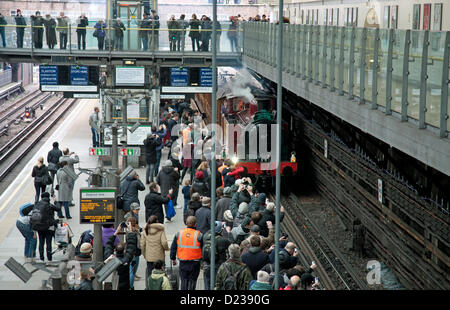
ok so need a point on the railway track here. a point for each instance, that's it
(334, 271)
(18, 106)
(13, 151)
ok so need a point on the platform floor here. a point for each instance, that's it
(75, 134)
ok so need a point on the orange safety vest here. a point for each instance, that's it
(221, 176)
(188, 246)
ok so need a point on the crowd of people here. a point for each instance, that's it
(244, 230)
(199, 30)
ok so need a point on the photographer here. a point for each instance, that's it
(243, 194)
(150, 144)
(124, 252)
(129, 189)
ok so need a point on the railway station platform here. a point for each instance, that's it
(74, 133)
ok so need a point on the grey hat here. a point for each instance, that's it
(227, 191)
(135, 206)
(255, 228)
(243, 208)
(228, 216)
(195, 197)
(206, 201)
(270, 206)
(168, 163)
(234, 251)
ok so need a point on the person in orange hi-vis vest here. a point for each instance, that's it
(187, 246)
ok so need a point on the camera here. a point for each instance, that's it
(123, 225)
(284, 235)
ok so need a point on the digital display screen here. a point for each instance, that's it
(97, 205)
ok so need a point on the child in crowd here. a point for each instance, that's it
(186, 193)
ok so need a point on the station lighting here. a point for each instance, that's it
(129, 62)
(235, 159)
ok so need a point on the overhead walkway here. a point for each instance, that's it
(392, 84)
(158, 50)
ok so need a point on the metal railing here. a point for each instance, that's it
(402, 72)
(134, 36)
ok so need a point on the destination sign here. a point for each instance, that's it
(97, 205)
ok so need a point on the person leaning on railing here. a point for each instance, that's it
(2, 29)
(173, 26)
(37, 22)
(194, 24)
(100, 33)
(63, 29)
(82, 23)
(119, 28)
(21, 23)
(144, 26)
(183, 24)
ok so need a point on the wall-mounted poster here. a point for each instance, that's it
(336, 17)
(325, 16)
(437, 17)
(394, 16)
(386, 17)
(426, 16)
(416, 17)
(355, 17)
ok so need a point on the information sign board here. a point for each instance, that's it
(97, 205)
(48, 75)
(206, 77)
(179, 77)
(79, 75)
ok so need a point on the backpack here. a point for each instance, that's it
(38, 219)
(230, 282)
(155, 284)
(206, 250)
(86, 236)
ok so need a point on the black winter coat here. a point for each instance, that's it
(130, 188)
(48, 212)
(203, 216)
(201, 187)
(193, 206)
(255, 259)
(154, 205)
(38, 173)
(150, 145)
(168, 178)
(123, 270)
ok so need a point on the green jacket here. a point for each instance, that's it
(244, 277)
(258, 286)
(155, 278)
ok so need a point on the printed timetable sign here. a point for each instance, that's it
(48, 75)
(97, 205)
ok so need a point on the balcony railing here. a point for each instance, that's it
(402, 72)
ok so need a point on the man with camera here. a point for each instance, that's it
(243, 194)
(154, 202)
(150, 144)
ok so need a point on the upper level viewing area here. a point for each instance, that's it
(42, 40)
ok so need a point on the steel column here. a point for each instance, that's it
(375, 68)
(389, 70)
(333, 59)
(351, 64)
(423, 81)
(316, 73)
(310, 52)
(213, 137)
(363, 64)
(341, 63)
(405, 76)
(444, 89)
(324, 59)
(304, 55)
(278, 155)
